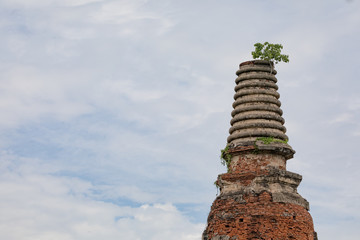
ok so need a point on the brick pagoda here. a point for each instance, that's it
(258, 198)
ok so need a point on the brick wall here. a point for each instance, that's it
(255, 216)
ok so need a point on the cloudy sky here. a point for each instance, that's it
(113, 112)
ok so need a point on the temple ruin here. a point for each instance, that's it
(258, 197)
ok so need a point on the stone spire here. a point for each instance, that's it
(258, 198)
(257, 110)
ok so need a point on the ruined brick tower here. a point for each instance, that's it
(258, 198)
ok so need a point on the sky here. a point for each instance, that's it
(113, 112)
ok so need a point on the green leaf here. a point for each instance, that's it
(269, 52)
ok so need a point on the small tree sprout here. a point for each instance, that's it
(269, 52)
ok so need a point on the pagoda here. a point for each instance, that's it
(258, 197)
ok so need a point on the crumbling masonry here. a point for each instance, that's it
(258, 198)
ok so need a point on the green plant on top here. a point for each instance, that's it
(269, 52)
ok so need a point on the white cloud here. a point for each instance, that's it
(342, 118)
(120, 11)
(37, 205)
(132, 99)
(30, 95)
(47, 3)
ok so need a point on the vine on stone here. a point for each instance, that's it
(225, 157)
(268, 140)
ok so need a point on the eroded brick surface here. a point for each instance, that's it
(256, 162)
(257, 217)
(259, 200)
